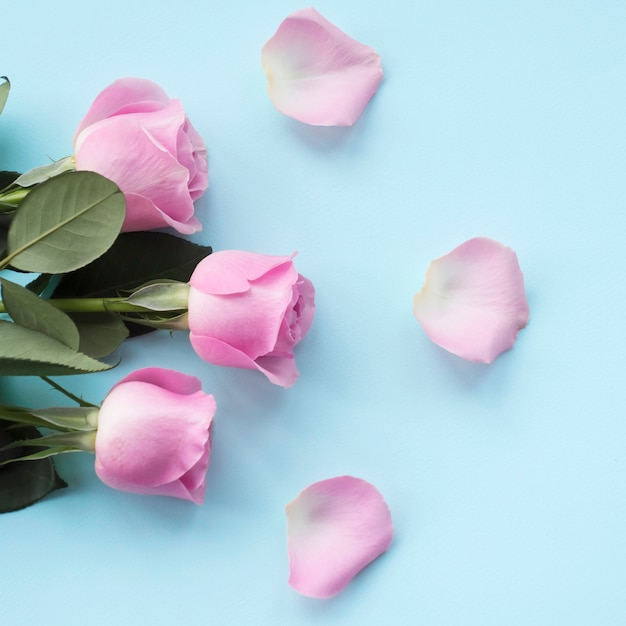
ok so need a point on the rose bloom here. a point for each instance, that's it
(249, 310)
(139, 138)
(154, 435)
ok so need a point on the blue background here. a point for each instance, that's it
(506, 482)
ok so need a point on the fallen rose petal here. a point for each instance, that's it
(316, 73)
(335, 528)
(473, 302)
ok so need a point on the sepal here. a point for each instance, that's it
(162, 296)
(155, 321)
(44, 172)
(58, 443)
(58, 418)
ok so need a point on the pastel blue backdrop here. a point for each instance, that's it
(506, 482)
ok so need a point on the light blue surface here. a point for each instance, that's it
(506, 482)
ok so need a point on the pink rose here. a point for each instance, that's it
(154, 435)
(140, 139)
(249, 310)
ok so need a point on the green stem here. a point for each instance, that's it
(92, 305)
(67, 393)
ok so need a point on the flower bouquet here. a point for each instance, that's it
(84, 270)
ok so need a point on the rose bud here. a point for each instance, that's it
(154, 435)
(249, 310)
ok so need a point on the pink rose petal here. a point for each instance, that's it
(473, 302)
(316, 73)
(280, 370)
(129, 95)
(231, 271)
(335, 528)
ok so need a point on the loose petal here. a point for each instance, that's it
(316, 73)
(335, 528)
(473, 302)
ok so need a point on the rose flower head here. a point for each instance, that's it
(249, 310)
(154, 435)
(142, 140)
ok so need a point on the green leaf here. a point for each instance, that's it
(100, 333)
(65, 223)
(133, 260)
(26, 352)
(24, 482)
(30, 311)
(5, 86)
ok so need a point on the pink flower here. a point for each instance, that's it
(335, 528)
(249, 310)
(473, 301)
(135, 135)
(154, 435)
(316, 73)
